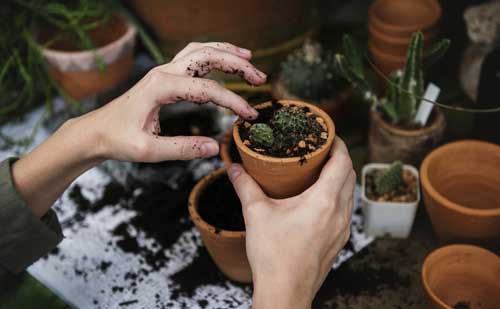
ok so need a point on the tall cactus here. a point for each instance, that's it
(390, 179)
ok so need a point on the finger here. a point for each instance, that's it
(246, 188)
(166, 88)
(163, 148)
(223, 46)
(202, 61)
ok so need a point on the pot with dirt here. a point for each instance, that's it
(308, 74)
(228, 151)
(462, 277)
(285, 148)
(461, 188)
(87, 70)
(390, 195)
(216, 212)
(399, 129)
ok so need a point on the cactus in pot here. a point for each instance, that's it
(390, 179)
(261, 134)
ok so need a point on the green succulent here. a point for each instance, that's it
(390, 179)
(261, 134)
(290, 119)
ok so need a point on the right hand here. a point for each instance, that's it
(292, 243)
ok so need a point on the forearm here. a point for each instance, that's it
(42, 176)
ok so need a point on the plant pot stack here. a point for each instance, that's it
(391, 24)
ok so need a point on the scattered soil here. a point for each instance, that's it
(462, 305)
(219, 206)
(406, 192)
(291, 144)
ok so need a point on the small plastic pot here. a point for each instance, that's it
(388, 219)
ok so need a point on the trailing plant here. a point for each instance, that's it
(309, 72)
(406, 86)
(389, 179)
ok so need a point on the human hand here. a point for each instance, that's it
(292, 243)
(128, 127)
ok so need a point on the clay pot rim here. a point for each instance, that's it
(403, 41)
(127, 36)
(313, 108)
(387, 57)
(441, 199)
(428, 23)
(193, 203)
(439, 251)
(438, 121)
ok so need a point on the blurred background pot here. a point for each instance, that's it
(227, 248)
(388, 143)
(78, 71)
(462, 276)
(461, 187)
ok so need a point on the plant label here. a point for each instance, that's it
(425, 107)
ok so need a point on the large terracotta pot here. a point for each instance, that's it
(462, 276)
(461, 186)
(78, 72)
(285, 177)
(227, 248)
(386, 63)
(388, 143)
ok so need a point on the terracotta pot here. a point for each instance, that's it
(286, 177)
(77, 71)
(461, 186)
(335, 107)
(227, 248)
(386, 63)
(462, 274)
(400, 18)
(388, 143)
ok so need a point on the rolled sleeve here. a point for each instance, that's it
(24, 238)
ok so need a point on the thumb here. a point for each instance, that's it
(246, 188)
(182, 148)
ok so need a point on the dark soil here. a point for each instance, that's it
(287, 144)
(462, 305)
(219, 206)
(406, 192)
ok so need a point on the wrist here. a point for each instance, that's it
(280, 292)
(84, 141)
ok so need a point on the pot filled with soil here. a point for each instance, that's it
(390, 195)
(82, 71)
(285, 148)
(462, 277)
(216, 212)
(309, 74)
(228, 151)
(461, 187)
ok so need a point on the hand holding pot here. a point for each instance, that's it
(292, 243)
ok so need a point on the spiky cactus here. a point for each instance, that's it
(290, 119)
(261, 134)
(389, 179)
(309, 73)
(406, 87)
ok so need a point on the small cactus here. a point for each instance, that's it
(261, 134)
(290, 119)
(389, 179)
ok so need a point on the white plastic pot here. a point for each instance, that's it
(388, 219)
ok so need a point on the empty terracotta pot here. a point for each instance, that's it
(462, 276)
(400, 18)
(388, 143)
(461, 188)
(386, 63)
(77, 71)
(227, 248)
(286, 177)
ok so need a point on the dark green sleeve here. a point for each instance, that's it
(24, 238)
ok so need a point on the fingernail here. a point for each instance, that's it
(262, 74)
(253, 112)
(209, 149)
(244, 51)
(234, 171)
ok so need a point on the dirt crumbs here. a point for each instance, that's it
(284, 131)
(406, 192)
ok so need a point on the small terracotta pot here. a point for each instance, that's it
(461, 186)
(286, 177)
(400, 18)
(225, 145)
(463, 274)
(388, 143)
(227, 248)
(335, 107)
(77, 71)
(386, 63)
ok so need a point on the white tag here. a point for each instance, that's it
(425, 108)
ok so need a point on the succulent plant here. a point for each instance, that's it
(261, 134)
(290, 119)
(389, 179)
(309, 72)
(407, 85)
